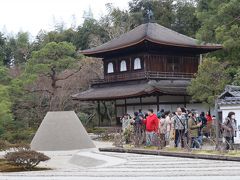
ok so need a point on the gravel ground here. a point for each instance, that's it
(94, 165)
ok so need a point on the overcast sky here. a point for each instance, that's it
(34, 15)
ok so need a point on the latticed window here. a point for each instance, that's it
(110, 68)
(123, 66)
(137, 64)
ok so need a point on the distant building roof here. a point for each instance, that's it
(231, 96)
(154, 33)
(122, 91)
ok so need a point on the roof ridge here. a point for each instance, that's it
(118, 37)
(152, 32)
(146, 30)
(174, 31)
(232, 88)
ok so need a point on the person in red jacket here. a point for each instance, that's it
(208, 117)
(209, 124)
(151, 123)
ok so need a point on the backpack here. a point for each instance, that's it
(204, 121)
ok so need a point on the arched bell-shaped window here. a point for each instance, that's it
(123, 66)
(110, 68)
(137, 63)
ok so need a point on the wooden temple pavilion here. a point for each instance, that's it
(147, 67)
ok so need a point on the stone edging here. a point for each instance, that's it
(172, 154)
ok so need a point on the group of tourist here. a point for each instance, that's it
(183, 127)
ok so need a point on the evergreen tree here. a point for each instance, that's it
(209, 82)
(220, 23)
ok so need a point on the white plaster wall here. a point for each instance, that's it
(164, 99)
(133, 100)
(167, 107)
(120, 101)
(149, 99)
(171, 107)
(171, 99)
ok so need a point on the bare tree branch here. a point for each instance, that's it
(39, 90)
(235, 19)
(68, 76)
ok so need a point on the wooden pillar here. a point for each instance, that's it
(158, 108)
(98, 112)
(217, 122)
(141, 102)
(200, 59)
(125, 106)
(115, 111)
(130, 63)
(110, 119)
(185, 103)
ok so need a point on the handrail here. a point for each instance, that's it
(143, 75)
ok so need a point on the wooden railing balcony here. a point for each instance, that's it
(143, 75)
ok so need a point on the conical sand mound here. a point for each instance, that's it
(61, 131)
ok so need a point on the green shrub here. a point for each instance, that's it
(99, 130)
(96, 130)
(18, 136)
(127, 133)
(83, 117)
(25, 158)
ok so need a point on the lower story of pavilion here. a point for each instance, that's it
(130, 97)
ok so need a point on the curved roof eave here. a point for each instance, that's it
(92, 51)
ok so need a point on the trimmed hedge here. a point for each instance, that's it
(25, 158)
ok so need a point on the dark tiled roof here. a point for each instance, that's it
(152, 32)
(229, 101)
(129, 91)
(231, 96)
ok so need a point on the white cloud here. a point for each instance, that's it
(34, 15)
